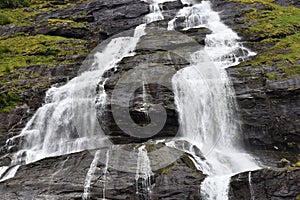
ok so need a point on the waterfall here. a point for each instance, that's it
(64, 124)
(204, 97)
(67, 121)
(89, 176)
(52, 130)
(143, 173)
(206, 104)
(252, 197)
(105, 174)
(8, 172)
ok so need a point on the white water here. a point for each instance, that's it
(252, 197)
(204, 98)
(143, 173)
(51, 131)
(9, 172)
(105, 174)
(64, 124)
(206, 104)
(89, 176)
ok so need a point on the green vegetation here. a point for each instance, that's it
(278, 25)
(40, 49)
(71, 23)
(4, 20)
(13, 3)
(21, 49)
(8, 100)
(165, 171)
(16, 16)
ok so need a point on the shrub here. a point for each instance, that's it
(8, 100)
(4, 20)
(14, 3)
(4, 49)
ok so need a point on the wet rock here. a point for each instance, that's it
(142, 82)
(268, 108)
(173, 175)
(93, 20)
(266, 184)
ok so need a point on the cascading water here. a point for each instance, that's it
(92, 171)
(89, 176)
(143, 173)
(65, 124)
(203, 95)
(51, 130)
(105, 174)
(252, 197)
(206, 104)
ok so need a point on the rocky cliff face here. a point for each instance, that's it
(91, 21)
(266, 184)
(173, 176)
(267, 88)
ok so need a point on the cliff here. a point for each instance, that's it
(45, 42)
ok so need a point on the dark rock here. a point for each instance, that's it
(173, 176)
(160, 54)
(102, 19)
(295, 3)
(268, 108)
(266, 184)
(171, 8)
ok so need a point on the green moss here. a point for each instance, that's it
(165, 171)
(40, 49)
(298, 197)
(50, 5)
(14, 3)
(71, 23)
(18, 16)
(8, 100)
(4, 20)
(281, 26)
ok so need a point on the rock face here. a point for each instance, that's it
(93, 21)
(141, 84)
(173, 175)
(267, 93)
(268, 97)
(269, 108)
(266, 184)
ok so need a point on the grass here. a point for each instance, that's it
(20, 50)
(280, 25)
(8, 100)
(33, 50)
(4, 20)
(59, 22)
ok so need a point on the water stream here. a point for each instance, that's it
(206, 101)
(203, 95)
(143, 174)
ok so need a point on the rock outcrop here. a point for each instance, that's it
(92, 21)
(266, 184)
(114, 175)
(145, 80)
(267, 85)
